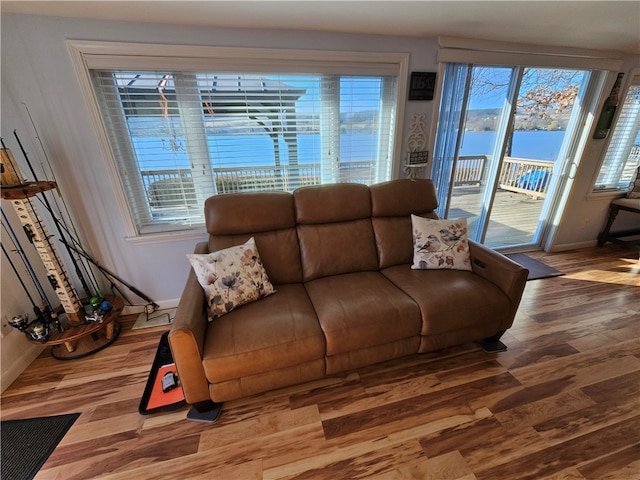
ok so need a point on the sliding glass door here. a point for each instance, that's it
(514, 130)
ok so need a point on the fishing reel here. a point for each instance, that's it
(40, 332)
(99, 308)
(20, 322)
(37, 329)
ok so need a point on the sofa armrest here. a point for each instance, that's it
(187, 336)
(503, 272)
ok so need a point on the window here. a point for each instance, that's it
(179, 134)
(623, 153)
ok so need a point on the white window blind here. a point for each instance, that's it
(180, 137)
(623, 153)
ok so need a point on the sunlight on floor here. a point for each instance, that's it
(627, 274)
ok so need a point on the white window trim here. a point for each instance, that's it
(86, 54)
(610, 193)
(457, 50)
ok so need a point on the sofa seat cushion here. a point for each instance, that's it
(362, 309)
(273, 333)
(451, 300)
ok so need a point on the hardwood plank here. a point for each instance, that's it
(567, 474)
(468, 435)
(259, 426)
(580, 450)
(536, 412)
(451, 401)
(543, 354)
(360, 461)
(450, 466)
(625, 404)
(589, 368)
(620, 465)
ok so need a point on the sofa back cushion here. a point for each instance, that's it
(334, 230)
(269, 217)
(392, 204)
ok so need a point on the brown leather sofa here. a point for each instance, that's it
(339, 257)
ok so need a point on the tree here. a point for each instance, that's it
(543, 90)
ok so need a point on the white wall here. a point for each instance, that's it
(37, 73)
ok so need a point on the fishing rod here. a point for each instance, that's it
(44, 318)
(19, 192)
(75, 236)
(25, 260)
(151, 306)
(83, 281)
(24, 287)
(22, 323)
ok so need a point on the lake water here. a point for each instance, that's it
(249, 150)
(229, 151)
(535, 145)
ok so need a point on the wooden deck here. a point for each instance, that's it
(513, 220)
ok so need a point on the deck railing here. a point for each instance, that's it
(519, 175)
(470, 170)
(173, 188)
(531, 177)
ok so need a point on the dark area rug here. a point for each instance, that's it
(536, 268)
(25, 445)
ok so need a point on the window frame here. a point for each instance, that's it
(87, 55)
(632, 80)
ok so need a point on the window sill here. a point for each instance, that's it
(606, 194)
(166, 237)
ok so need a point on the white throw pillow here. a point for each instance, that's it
(440, 244)
(231, 277)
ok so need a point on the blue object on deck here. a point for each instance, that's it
(534, 181)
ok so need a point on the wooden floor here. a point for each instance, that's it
(561, 403)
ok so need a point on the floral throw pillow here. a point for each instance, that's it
(231, 277)
(440, 244)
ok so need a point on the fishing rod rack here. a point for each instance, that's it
(81, 325)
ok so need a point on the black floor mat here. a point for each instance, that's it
(537, 269)
(27, 444)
